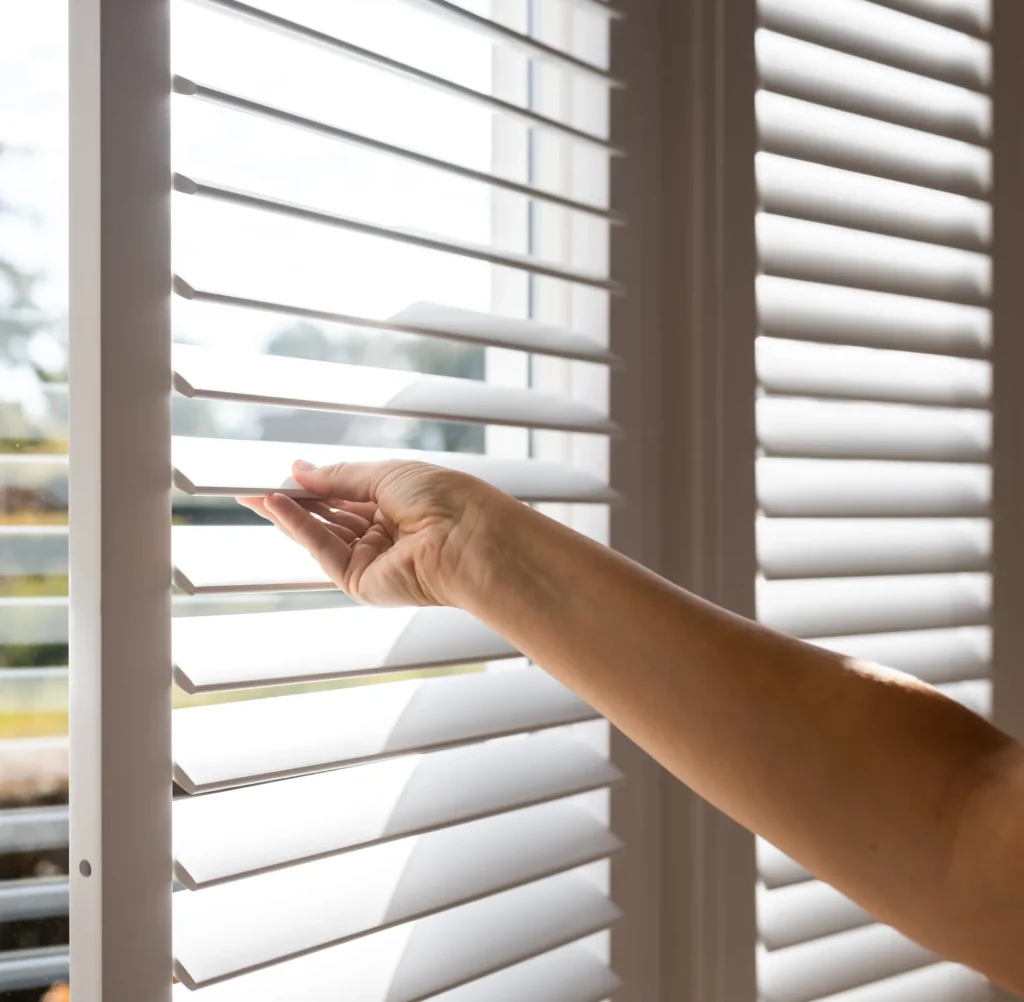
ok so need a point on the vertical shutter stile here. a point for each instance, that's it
(347, 835)
(873, 415)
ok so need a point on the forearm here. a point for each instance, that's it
(859, 773)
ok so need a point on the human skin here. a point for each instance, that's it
(898, 796)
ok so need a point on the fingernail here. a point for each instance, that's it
(302, 464)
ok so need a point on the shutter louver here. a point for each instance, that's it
(873, 419)
(353, 836)
(34, 762)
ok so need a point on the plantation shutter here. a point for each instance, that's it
(33, 501)
(873, 418)
(34, 749)
(437, 183)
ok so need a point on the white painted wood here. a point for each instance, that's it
(226, 468)
(265, 648)
(433, 319)
(805, 911)
(839, 606)
(282, 25)
(817, 73)
(936, 983)
(834, 964)
(307, 213)
(801, 368)
(226, 835)
(795, 426)
(231, 744)
(234, 928)
(807, 131)
(886, 36)
(840, 255)
(813, 311)
(295, 382)
(415, 960)
(811, 488)
(936, 656)
(825, 194)
(814, 548)
(120, 507)
(571, 974)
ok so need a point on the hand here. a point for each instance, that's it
(392, 533)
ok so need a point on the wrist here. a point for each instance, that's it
(491, 536)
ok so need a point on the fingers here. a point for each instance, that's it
(328, 513)
(332, 552)
(345, 525)
(357, 482)
(364, 509)
(254, 504)
(257, 504)
(366, 550)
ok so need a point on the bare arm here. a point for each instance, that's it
(901, 798)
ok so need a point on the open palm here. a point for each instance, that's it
(394, 533)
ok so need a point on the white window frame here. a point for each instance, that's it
(120, 486)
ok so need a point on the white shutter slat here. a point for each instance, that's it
(828, 428)
(296, 382)
(347, 50)
(30, 829)
(942, 982)
(228, 468)
(776, 869)
(517, 41)
(862, 488)
(813, 311)
(805, 911)
(22, 758)
(33, 690)
(437, 320)
(40, 472)
(818, 548)
(819, 252)
(225, 835)
(886, 36)
(306, 213)
(234, 743)
(33, 898)
(837, 606)
(241, 558)
(825, 194)
(935, 656)
(499, 331)
(213, 653)
(40, 968)
(33, 549)
(804, 130)
(812, 72)
(416, 960)
(802, 368)
(963, 15)
(190, 88)
(975, 695)
(571, 974)
(229, 930)
(42, 620)
(835, 963)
